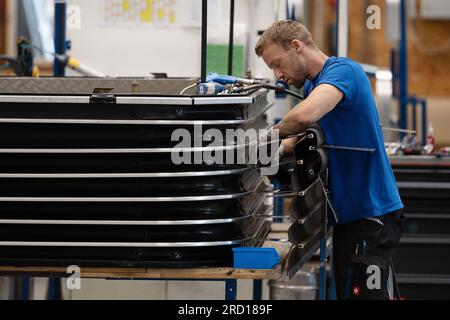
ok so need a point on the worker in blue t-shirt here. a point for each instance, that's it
(364, 193)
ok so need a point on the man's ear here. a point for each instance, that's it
(297, 45)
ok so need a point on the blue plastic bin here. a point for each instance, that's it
(255, 258)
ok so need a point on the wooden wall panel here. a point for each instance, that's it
(2, 26)
(428, 74)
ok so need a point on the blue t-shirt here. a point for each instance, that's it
(362, 184)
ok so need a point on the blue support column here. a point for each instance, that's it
(25, 288)
(60, 36)
(204, 51)
(423, 102)
(395, 73)
(403, 61)
(414, 102)
(231, 41)
(257, 290)
(230, 289)
(54, 289)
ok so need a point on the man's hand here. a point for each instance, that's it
(289, 145)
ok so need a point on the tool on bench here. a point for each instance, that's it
(222, 85)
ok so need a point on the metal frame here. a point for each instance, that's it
(124, 122)
(400, 72)
(122, 244)
(185, 101)
(60, 36)
(255, 212)
(231, 41)
(117, 199)
(124, 222)
(121, 150)
(342, 28)
(223, 100)
(204, 48)
(123, 175)
(45, 99)
(248, 239)
(403, 61)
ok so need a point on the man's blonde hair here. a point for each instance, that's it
(283, 33)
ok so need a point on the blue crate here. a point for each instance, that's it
(255, 258)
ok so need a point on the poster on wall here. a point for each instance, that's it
(140, 13)
(158, 13)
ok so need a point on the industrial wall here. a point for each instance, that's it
(132, 51)
(428, 68)
(428, 71)
(2, 26)
(138, 51)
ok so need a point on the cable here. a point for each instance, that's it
(330, 205)
(277, 88)
(187, 88)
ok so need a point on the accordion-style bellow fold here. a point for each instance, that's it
(91, 181)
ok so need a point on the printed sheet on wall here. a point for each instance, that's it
(141, 13)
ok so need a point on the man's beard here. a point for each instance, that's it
(300, 83)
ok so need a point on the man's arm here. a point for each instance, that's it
(322, 100)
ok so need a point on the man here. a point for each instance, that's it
(364, 193)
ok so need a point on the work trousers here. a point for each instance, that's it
(362, 253)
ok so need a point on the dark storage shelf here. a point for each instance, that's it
(422, 260)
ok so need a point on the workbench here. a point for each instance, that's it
(227, 275)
